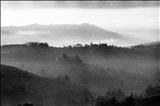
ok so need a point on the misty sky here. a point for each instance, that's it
(136, 19)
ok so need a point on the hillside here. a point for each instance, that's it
(98, 67)
(18, 86)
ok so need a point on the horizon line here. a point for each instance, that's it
(80, 43)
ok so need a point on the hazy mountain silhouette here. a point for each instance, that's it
(152, 45)
(66, 30)
(74, 33)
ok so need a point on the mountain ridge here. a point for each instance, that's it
(62, 34)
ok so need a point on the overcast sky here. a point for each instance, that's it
(138, 19)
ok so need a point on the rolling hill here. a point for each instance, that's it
(19, 86)
(98, 67)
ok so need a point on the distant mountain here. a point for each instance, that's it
(153, 47)
(61, 34)
(18, 86)
(65, 30)
(154, 44)
(149, 45)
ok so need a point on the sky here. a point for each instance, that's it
(136, 19)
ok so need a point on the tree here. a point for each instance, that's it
(130, 101)
(70, 46)
(67, 78)
(43, 44)
(119, 94)
(78, 45)
(64, 56)
(77, 58)
(86, 45)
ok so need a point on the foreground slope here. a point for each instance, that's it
(18, 86)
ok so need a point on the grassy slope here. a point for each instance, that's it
(19, 86)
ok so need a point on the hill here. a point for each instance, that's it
(18, 86)
(98, 67)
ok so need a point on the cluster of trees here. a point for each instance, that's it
(101, 45)
(138, 46)
(118, 94)
(63, 78)
(112, 99)
(151, 98)
(26, 104)
(75, 59)
(45, 44)
(37, 44)
(152, 90)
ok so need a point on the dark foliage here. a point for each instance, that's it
(100, 45)
(76, 59)
(26, 104)
(152, 90)
(129, 101)
(37, 44)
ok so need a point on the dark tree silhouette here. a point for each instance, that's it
(26, 104)
(67, 78)
(77, 59)
(119, 95)
(78, 45)
(64, 56)
(37, 44)
(130, 101)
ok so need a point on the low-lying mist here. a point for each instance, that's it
(100, 68)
